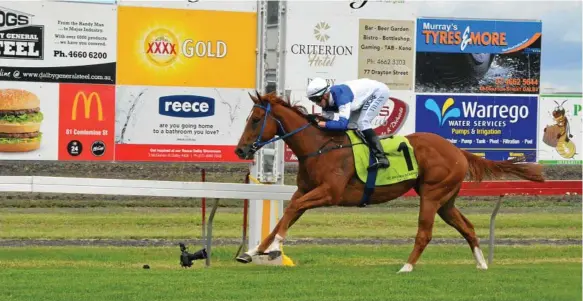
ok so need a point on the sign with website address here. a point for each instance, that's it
(46, 41)
(478, 56)
(179, 124)
(494, 127)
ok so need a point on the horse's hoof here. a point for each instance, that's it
(273, 255)
(407, 268)
(244, 258)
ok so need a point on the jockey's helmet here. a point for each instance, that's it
(316, 88)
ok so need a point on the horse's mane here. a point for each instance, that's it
(297, 108)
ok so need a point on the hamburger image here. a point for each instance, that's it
(20, 119)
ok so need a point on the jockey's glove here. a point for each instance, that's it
(313, 118)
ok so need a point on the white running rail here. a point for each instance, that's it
(145, 188)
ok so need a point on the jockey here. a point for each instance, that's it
(360, 100)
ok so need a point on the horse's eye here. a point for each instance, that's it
(256, 120)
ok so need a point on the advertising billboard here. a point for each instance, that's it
(560, 132)
(320, 47)
(341, 41)
(183, 47)
(494, 127)
(179, 124)
(45, 41)
(478, 56)
(385, 52)
(224, 5)
(86, 122)
(29, 120)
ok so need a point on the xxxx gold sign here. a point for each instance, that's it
(87, 100)
(176, 47)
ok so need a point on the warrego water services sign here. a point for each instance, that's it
(495, 127)
(181, 47)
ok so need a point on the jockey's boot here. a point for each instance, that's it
(377, 149)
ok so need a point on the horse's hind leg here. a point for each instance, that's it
(432, 198)
(427, 212)
(453, 217)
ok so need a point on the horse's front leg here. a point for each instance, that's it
(315, 198)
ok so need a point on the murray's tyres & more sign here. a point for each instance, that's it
(478, 56)
(46, 41)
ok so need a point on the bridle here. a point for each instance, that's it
(281, 134)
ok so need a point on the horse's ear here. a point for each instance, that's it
(255, 99)
(258, 96)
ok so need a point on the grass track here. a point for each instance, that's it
(323, 273)
(176, 223)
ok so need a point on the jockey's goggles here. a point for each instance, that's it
(315, 99)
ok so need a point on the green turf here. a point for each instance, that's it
(361, 272)
(326, 223)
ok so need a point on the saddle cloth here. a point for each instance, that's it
(399, 152)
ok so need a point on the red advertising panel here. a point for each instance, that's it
(176, 153)
(86, 122)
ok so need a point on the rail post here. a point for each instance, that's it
(245, 214)
(492, 223)
(203, 204)
(209, 231)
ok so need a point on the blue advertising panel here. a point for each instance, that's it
(478, 56)
(494, 127)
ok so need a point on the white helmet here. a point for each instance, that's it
(317, 87)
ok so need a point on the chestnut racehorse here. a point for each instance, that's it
(327, 177)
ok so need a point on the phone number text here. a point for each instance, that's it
(81, 54)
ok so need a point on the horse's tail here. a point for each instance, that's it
(480, 168)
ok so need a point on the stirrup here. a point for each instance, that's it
(378, 164)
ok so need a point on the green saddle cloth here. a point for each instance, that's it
(399, 152)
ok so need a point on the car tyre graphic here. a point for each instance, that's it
(453, 69)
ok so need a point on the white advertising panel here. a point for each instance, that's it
(68, 42)
(179, 124)
(224, 5)
(326, 38)
(560, 132)
(382, 9)
(346, 40)
(320, 47)
(28, 133)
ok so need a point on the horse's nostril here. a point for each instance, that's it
(239, 151)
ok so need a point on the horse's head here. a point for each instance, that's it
(261, 127)
(266, 121)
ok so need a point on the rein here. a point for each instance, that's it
(258, 143)
(281, 134)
